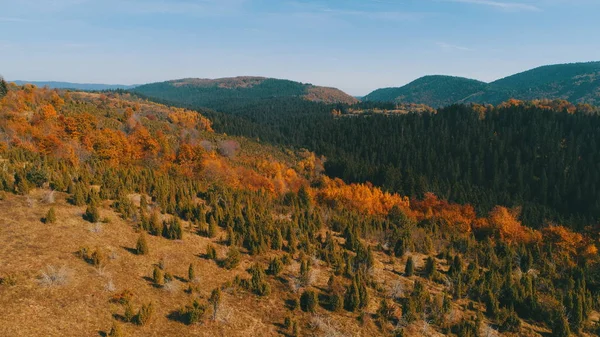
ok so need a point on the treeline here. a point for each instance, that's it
(541, 158)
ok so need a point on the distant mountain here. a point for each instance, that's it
(215, 93)
(76, 86)
(576, 82)
(430, 90)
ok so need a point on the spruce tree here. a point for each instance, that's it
(309, 301)
(212, 227)
(3, 87)
(352, 297)
(409, 269)
(92, 214)
(277, 242)
(430, 268)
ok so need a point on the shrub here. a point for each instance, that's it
(141, 247)
(191, 273)
(116, 331)
(123, 297)
(215, 300)
(50, 216)
(158, 277)
(193, 313)
(233, 258)
(53, 276)
(512, 323)
(129, 316)
(309, 301)
(144, 314)
(211, 252)
(336, 301)
(275, 267)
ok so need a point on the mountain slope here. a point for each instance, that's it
(76, 86)
(214, 93)
(435, 91)
(576, 82)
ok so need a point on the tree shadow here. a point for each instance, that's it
(180, 279)
(150, 281)
(176, 316)
(102, 333)
(130, 250)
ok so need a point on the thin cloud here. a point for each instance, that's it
(449, 46)
(508, 6)
(9, 19)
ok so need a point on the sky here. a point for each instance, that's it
(354, 45)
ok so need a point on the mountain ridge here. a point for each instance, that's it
(76, 86)
(575, 82)
(214, 92)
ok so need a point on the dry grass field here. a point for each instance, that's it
(49, 290)
(77, 301)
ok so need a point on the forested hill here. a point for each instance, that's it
(76, 86)
(539, 156)
(576, 82)
(228, 92)
(430, 90)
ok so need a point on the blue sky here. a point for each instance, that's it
(354, 45)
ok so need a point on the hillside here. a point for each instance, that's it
(237, 91)
(122, 217)
(435, 91)
(76, 86)
(577, 83)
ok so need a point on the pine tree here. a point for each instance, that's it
(409, 269)
(141, 247)
(50, 216)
